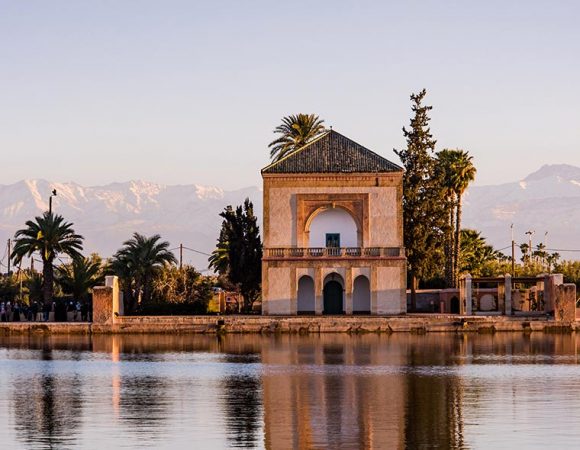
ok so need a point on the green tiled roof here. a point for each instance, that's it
(332, 153)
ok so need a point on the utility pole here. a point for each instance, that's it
(180, 256)
(52, 194)
(530, 233)
(9, 251)
(513, 252)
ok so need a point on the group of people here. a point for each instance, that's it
(62, 311)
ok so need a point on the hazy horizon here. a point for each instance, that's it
(183, 92)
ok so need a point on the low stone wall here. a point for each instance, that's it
(300, 324)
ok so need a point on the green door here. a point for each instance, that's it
(333, 298)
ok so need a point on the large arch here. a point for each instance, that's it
(361, 295)
(335, 221)
(305, 295)
(333, 294)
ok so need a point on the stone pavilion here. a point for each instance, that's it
(333, 231)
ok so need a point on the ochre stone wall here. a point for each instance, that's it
(565, 303)
(103, 305)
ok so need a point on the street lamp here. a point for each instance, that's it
(52, 194)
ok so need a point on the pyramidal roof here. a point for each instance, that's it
(332, 153)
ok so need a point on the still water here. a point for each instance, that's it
(290, 392)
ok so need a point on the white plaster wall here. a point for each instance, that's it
(279, 295)
(391, 299)
(335, 220)
(382, 214)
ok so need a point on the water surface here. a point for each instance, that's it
(290, 392)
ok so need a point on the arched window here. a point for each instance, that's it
(333, 228)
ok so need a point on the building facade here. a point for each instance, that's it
(333, 232)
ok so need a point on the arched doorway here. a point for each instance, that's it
(361, 296)
(333, 294)
(454, 305)
(305, 300)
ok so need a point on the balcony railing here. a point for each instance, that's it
(335, 252)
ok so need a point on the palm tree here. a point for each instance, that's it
(464, 174)
(459, 174)
(80, 277)
(137, 261)
(445, 173)
(296, 131)
(49, 235)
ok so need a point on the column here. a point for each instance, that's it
(508, 294)
(466, 300)
(318, 291)
(348, 287)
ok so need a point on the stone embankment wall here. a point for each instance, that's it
(300, 324)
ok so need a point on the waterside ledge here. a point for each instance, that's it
(411, 323)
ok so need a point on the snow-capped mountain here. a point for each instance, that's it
(547, 200)
(108, 215)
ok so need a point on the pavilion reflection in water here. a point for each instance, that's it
(326, 391)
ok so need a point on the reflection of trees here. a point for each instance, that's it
(144, 403)
(47, 407)
(243, 406)
(434, 402)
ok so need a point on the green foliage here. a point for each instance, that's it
(296, 131)
(9, 287)
(80, 277)
(238, 253)
(424, 213)
(185, 287)
(136, 264)
(570, 270)
(476, 254)
(456, 171)
(49, 235)
(33, 285)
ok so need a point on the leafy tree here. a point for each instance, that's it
(296, 131)
(80, 277)
(49, 235)
(238, 254)
(136, 263)
(9, 287)
(34, 285)
(185, 286)
(424, 214)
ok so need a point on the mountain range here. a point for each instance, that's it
(547, 200)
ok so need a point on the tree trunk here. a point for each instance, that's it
(47, 281)
(449, 246)
(457, 241)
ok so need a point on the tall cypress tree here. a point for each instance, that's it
(424, 213)
(238, 254)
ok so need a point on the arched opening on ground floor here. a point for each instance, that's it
(305, 300)
(333, 294)
(361, 295)
(454, 305)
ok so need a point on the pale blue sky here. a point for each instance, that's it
(189, 92)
